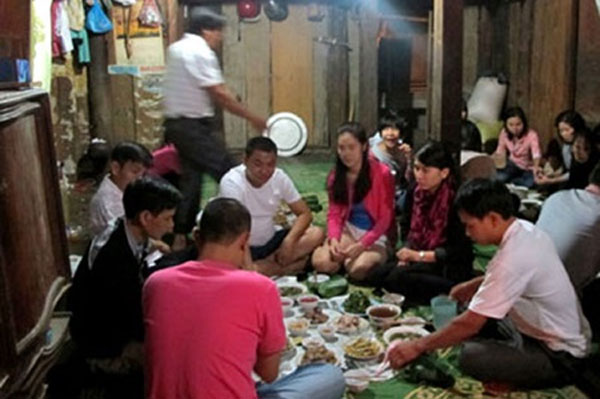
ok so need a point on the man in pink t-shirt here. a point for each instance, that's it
(209, 324)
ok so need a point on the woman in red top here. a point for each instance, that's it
(361, 208)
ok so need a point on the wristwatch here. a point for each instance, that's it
(421, 255)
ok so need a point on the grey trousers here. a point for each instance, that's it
(502, 354)
(200, 151)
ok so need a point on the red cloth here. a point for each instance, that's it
(206, 324)
(429, 219)
(165, 160)
(379, 203)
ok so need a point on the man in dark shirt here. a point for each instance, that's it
(105, 298)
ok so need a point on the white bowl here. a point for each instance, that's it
(327, 331)
(318, 278)
(393, 299)
(286, 304)
(383, 314)
(308, 302)
(409, 332)
(357, 380)
(298, 327)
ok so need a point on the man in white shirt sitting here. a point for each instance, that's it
(523, 326)
(261, 187)
(128, 161)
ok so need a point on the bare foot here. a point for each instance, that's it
(497, 388)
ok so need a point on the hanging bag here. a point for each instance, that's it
(96, 20)
(150, 15)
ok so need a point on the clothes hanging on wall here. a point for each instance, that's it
(82, 45)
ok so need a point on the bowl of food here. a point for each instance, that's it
(356, 303)
(350, 324)
(308, 302)
(327, 331)
(381, 315)
(357, 380)
(319, 354)
(404, 333)
(286, 305)
(291, 290)
(393, 299)
(298, 327)
(312, 341)
(363, 348)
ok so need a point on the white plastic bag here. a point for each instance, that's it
(485, 104)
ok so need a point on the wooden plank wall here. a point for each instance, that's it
(588, 63)
(552, 63)
(291, 66)
(282, 66)
(533, 43)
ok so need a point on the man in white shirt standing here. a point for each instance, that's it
(261, 187)
(523, 327)
(193, 83)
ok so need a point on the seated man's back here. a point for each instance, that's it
(211, 351)
(572, 220)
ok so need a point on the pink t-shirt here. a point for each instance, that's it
(206, 323)
(522, 150)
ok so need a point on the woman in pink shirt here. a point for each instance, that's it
(523, 146)
(361, 208)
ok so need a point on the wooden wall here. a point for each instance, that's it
(587, 77)
(282, 66)
(534, 43)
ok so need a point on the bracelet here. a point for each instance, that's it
(421, 255)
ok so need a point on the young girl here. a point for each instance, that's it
(437, 253)
(389, 147)
(523, 146)
(361, 208)
(567, 124)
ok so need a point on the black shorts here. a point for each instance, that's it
(262, 251)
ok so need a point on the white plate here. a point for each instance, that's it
(288, 132)
(363, 325)
(331, 314)
(380, 349)
(387, 335)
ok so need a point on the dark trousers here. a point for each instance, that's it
(513, 174)
(418, 282)
(502, 354)
(200, 151)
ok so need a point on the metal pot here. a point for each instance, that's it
(276, 10)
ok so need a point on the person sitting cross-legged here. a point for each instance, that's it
(261, 187)
(106, 295)
(209, 324)
(523, 327)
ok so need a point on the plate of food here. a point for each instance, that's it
(319, 315)
(350, 324)
(404, 333)
(356, 303)
(319, 354)
(289, 351)
(291, 290)
(363, 348)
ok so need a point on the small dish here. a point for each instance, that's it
(380, 315)
(298, 327)
(286, 304)
(308, 302)
(405, 333)
(318, 278)
(292, 290)
(357, 380)
(327, 331)
(312, 341)
(393, 299)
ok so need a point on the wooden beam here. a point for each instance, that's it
(368, 107)
(588, 63)
(337, 72)
(446, 74)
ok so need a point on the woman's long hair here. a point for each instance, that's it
(363, 181)
(571, 118)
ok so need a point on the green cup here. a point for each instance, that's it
(444, 310)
